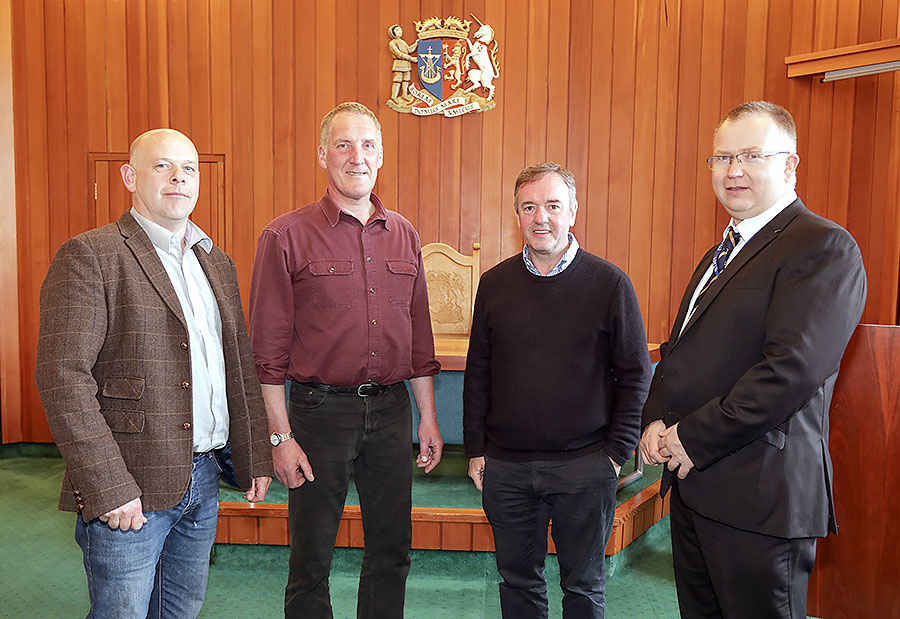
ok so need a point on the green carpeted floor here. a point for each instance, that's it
(41, 573)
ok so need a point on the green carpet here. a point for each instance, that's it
(41, 574)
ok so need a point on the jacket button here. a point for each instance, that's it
(186, 425)
(184, 346)
(185, 385)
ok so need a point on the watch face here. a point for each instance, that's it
(275, 439)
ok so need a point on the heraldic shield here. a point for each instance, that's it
(454, 73)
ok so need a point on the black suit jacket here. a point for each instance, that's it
(750, 378)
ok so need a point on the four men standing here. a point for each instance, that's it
(144, 369)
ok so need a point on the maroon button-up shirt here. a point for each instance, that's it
(336, 302)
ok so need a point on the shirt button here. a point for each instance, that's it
(331, 269)
(368, 258)
(186, 425)
(372, 289)
(373, 353)
(184, 346)
(374, 322)
(185, 385)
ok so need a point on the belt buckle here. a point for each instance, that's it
(368, 389)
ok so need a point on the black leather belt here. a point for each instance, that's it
(364, 390)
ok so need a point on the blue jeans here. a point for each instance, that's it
(520, 499)
(160, 570)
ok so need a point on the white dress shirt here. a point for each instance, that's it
(747, 229)
(204, 325)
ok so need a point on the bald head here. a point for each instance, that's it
(163, 176)
(151, 141)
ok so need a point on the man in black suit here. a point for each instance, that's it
(738, 406)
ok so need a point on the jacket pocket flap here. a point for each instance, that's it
(331, 267)
(124, 421)
(402, 267)
(774, 437)
(123, 388)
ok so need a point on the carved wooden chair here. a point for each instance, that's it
(452, 280)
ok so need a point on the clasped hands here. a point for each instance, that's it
(661, 445)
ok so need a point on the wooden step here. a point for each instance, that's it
(434, 528)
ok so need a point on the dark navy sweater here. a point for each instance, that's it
(557, 366)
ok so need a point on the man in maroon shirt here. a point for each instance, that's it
(338, 305)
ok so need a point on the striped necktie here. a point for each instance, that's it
(720, 259)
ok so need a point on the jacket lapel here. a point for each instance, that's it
(212, 276)
(144, 252)
(759, 241)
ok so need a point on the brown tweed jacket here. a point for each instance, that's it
(114, 371)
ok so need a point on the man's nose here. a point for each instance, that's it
(735, 168)
(178, 175)
(357, 154)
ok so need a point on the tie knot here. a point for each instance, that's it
(734, 236)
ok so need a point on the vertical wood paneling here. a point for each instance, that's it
(688, 155)
(537, 81)
(625, 94)
(657, 310)
(558, 47)
(241, 155)
(76, 116)
(262, 61)
(198, 62)
(599, 95)
(57, 192)
(578, 112)
(306, 129)
(493, 204)
(117, 138)
(642, 188)
(283, 107)
(621, 135)
(136, 42)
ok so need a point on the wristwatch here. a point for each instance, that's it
(277, 439)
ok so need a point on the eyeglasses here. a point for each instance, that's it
(749, 158)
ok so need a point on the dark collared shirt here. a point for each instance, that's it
(336, 302)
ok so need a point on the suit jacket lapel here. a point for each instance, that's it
(145, 253)
(762, 238)
(212, 276)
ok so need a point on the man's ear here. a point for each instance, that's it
(322, 163)
(129, 177)
(792, 163)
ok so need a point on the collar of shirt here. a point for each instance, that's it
(333, 212)
(749, 227)
(165, 240)
(561, 266)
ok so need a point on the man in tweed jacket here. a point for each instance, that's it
(145, 372)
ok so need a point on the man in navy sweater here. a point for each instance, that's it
(556, 375)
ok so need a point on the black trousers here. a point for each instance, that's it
(725, 572)
(520, 499)
(370, 437)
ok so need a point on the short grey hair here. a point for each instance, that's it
(348, 107)
(537, 172)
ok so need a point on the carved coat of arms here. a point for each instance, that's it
(455, 73)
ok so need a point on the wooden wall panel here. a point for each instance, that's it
(624, 93)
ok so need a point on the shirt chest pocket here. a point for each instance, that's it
(401, 278)
(333, 284)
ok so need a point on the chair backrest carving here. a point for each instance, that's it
(452, 282)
